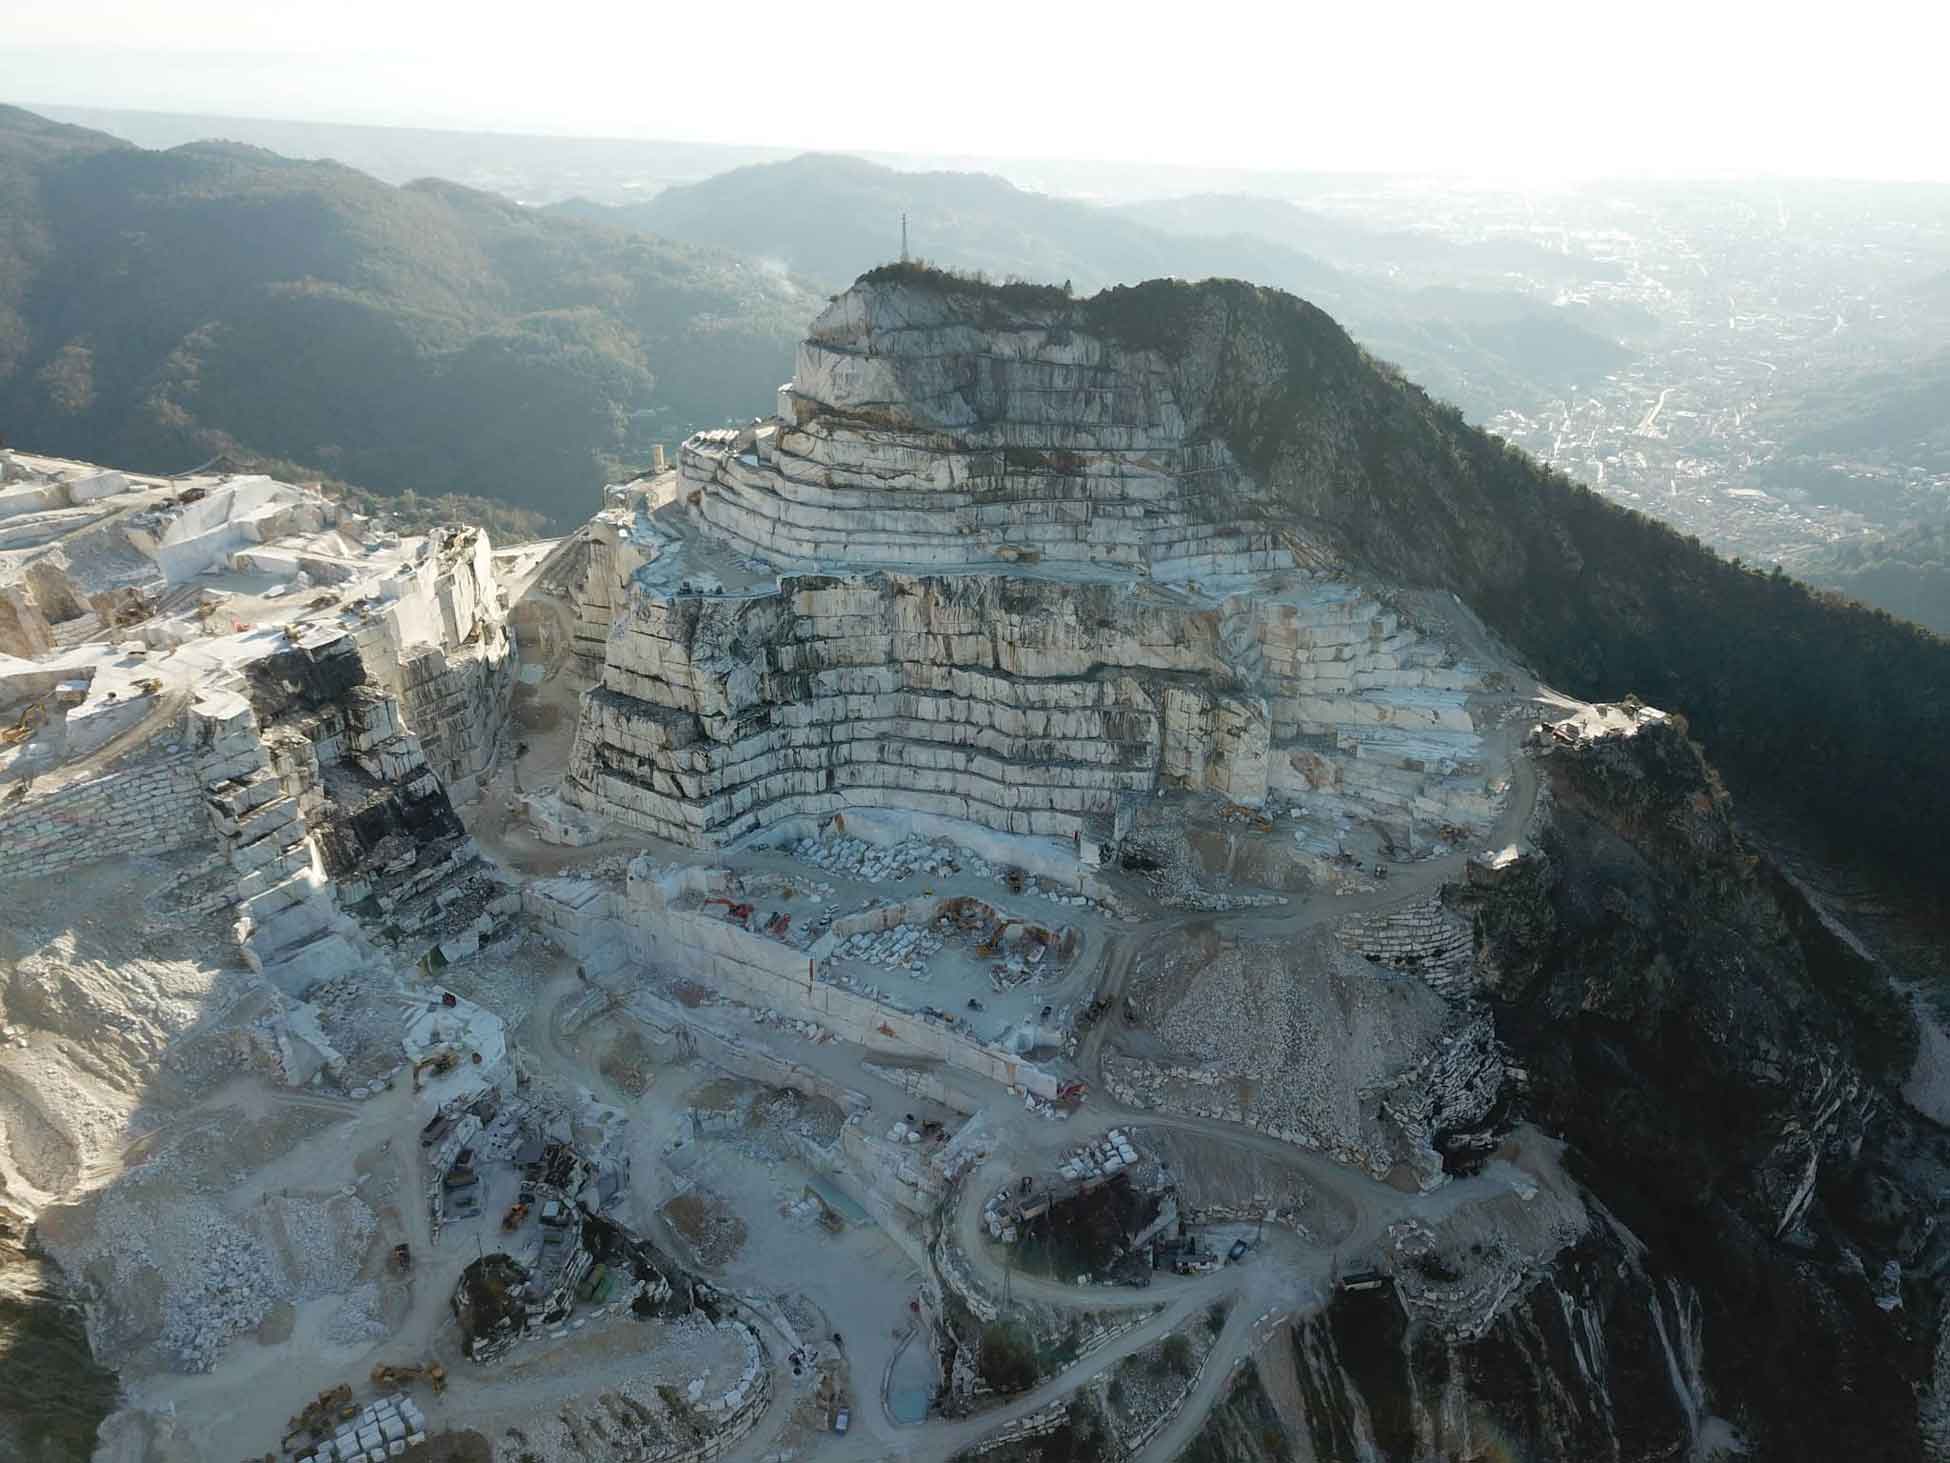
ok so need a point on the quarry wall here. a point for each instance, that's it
(154, 807)
(986, 568)
(1026, 705)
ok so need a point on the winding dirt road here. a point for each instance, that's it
(1284, 1278)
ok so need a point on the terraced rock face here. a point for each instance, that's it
(1022, 584)
(920, 429)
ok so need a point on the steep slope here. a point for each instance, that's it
(1830, 711)
(169, 306)
(1725, 1066)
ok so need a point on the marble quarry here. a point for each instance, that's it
(991, 573)
(238, 664)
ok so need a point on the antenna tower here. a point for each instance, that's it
(904, 259)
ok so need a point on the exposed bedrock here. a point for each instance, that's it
(1724, 1067)
(996, 567)
(919, 430)
(1028, 705)
(1595, 1359)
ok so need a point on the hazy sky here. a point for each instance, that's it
(1508, 89)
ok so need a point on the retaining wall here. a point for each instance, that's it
(151, 808)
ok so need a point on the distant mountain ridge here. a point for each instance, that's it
(830, 217)
(159, 307)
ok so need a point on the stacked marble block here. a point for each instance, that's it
(385, 1429)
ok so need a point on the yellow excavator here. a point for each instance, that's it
(32, 718)
(398, 1374)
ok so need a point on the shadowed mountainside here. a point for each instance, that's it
(157, 308)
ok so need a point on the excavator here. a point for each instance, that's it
(439, 1064)
(321, 1415)
(397, 1374)
(1251, 817)
(736, 914)
(32, 718)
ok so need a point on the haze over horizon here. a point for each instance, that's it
(1667, 91)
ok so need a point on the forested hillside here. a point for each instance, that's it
(1907, 571)
(157, 308)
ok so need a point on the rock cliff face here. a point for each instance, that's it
(988, 563)
(1597, 1360)
(1724, 1066)
(924, 427)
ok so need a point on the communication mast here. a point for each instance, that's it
(904, 258)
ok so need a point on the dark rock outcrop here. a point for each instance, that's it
(1724, 1068)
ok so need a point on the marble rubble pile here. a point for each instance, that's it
(904, 947)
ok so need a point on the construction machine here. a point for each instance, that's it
(32, 717)
(389, 1376)
(1251, 817)
(439, 1064)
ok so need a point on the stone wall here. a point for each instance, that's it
(152, 807)
(1422, 937)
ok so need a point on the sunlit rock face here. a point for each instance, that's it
(988, 565)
